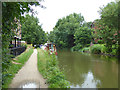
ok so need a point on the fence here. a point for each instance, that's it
(17, 50)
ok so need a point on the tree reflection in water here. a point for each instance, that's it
(88, 71)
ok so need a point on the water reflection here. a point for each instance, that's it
(89, 82)
(88, 71)
(29, 85)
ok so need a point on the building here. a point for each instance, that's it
(16, 41)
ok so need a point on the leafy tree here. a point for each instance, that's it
(83, 36)
(63, 32)
(109, 15)
(10, 11)
(87, 24)
(107, 35)
(31, 31)
(107, 26)
(51, 36)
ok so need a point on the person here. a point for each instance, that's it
(54, 47)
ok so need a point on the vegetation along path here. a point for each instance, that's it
(29, 76)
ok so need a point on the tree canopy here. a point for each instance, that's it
(107, 26)
(83, 36)
(32, 32)
(63, 32)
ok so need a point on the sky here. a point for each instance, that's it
(56, 9)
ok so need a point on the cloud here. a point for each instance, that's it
(56, 9)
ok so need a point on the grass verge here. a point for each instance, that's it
(48, 67)
(14, 68)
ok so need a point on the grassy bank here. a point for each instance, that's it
(16, 65)
(98, 49)
(48, 67)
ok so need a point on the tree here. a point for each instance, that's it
(109, 15)
(83, 36)
(87, 24)
(10, 11)
(31, 31)
(107, 26)
(63, 32)
(51, 36)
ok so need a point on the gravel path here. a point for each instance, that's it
(29, 76)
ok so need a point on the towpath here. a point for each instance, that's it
(29, 76)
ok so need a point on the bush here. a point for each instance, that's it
(114, 52)
(100, 42)
(24, 44)
(103, 49)
(85, 49)
(97, 48)
(87, 45)
(77, 47)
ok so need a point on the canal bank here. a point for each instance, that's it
(48, 67)
(99, 49)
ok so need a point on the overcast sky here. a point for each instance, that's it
(56, 9)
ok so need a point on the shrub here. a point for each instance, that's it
(100, 42)
(103, 49)
(96, 48)
(85, 49)
(77, 47)
(87, 45)
(114, 52)
(24, 44)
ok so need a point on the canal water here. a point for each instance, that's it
(84, 70)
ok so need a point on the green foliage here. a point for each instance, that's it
(100, 42)
(24, 44)
(63, 32)
(87, 24)
(97, 49)
(10, 11)
(103, 48)
(77, 47)
(107, 26)
(9, 74)
(48, 66)
(32, 32)
(83, 36)
(107, 35)
(109, 14)
(85, 49)
(51, 36)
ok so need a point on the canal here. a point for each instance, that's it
(84, 70)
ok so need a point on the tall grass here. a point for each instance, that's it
(14, 68)
(48, 67)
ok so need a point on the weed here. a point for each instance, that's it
(48, 67)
